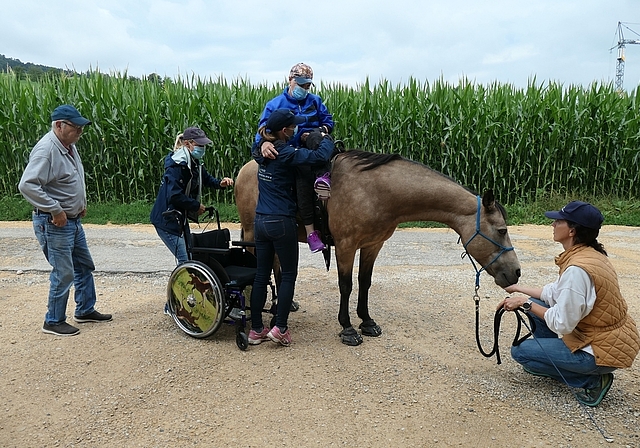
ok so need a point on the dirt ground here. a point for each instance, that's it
(138, 381)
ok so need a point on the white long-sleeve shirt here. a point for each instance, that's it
(571, 299)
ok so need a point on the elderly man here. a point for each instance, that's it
(53, 182)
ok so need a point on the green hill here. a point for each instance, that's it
(34, 71)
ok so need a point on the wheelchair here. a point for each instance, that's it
(214, 285)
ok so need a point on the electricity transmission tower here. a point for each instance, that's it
(621, 44)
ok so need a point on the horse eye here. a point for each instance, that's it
(502, 232)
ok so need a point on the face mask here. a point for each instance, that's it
(198, 152)
(299, 93)
(295, 131)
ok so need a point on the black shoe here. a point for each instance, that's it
(93, 316)
(62, 329)
(593, 397)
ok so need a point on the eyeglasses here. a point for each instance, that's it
(74, 126)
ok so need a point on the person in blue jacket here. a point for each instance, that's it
(181, 187)
(275, 221)
(297, 98)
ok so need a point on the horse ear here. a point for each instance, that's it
(488, 200)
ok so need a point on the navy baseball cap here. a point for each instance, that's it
(69, 113)
(579, 212)
(281, 118)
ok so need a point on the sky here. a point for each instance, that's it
(344, 41)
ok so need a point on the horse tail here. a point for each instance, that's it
(369, 160)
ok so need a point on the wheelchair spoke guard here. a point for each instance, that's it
(196, 299)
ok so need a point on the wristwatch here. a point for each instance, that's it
(527, 305)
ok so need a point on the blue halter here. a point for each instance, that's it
(478, 232)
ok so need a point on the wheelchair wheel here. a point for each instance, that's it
(196, 299)
(242, 340)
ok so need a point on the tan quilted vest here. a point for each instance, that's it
(609, 329)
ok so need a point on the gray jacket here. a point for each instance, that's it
(53, 180)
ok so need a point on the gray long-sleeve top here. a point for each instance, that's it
(53, 180)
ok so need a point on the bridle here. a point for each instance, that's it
(498, 316)
(479, 232)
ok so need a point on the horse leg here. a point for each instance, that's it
(368, 257)
(348, 335)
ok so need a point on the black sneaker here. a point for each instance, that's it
(94, 316)
(62, 329)
(593, 397)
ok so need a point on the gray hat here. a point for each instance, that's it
(197, 135)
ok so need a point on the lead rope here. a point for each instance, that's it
(584, 407)
(497, 319)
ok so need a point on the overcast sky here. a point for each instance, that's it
(345, 41)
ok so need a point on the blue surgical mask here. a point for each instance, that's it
(299, 93)
(198, 152)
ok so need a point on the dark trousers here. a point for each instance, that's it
(274, 234)
(305, 177)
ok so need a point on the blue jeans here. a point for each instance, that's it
(547, 353)
(274, 234)
(175, 243)
(65, 248)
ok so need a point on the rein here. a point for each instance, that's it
(517, 340)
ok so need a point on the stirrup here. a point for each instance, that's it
(322, 186)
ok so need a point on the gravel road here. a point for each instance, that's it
(139, 382)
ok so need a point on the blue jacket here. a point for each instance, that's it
(277, 177)
(173, 194)
(311, 107)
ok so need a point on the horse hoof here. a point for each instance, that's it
(370, 328)
(295, 306)
(350, 337)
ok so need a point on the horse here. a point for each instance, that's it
(371, 194)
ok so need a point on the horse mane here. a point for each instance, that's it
(369, 160)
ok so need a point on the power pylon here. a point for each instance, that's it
(621, 57)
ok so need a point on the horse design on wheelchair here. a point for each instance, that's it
(214, 285)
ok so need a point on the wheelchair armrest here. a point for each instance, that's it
(210, 250)
(243, 243)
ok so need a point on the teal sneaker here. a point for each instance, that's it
(593, 397)
(532, 372)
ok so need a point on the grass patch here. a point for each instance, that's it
(616, 211)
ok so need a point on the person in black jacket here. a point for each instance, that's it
(275, 222)
(180, 189)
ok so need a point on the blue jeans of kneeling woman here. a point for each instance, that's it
(274, 234)
(547, 354)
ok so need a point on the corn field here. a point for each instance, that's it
(521, 142)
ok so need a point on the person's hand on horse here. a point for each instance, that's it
(226, 182)
(268, 150)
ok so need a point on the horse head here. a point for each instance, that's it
(490, 244)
